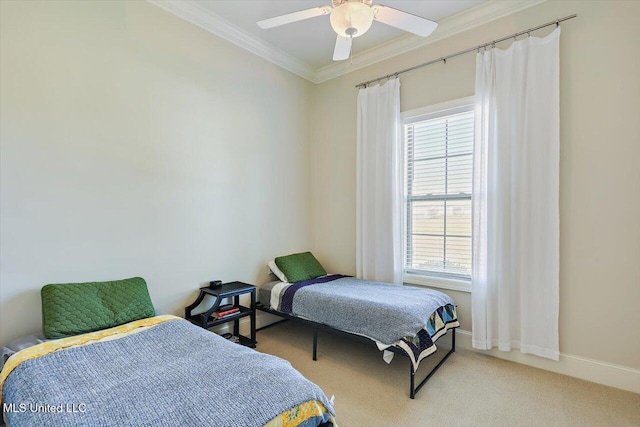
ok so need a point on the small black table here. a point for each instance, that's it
(232, 289)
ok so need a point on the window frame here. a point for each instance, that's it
(435, 280)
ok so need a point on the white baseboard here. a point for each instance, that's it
(596, 371)
(608, 374)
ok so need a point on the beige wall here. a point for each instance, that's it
(599, 169)
(136, 144)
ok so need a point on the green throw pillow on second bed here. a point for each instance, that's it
(299, 267)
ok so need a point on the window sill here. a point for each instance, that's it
(438, 282)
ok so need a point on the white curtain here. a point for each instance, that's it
(379, 184)
(515, 198)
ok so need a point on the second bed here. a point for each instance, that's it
(399, 319)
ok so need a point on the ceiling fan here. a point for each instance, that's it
(353, 18)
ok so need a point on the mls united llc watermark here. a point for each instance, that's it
(63, 408)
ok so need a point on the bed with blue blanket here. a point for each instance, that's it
(152, 371)
(399, 319)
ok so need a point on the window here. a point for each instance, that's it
(439, 161)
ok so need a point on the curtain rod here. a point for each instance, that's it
(476, 48)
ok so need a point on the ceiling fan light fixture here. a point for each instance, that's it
(351, 19)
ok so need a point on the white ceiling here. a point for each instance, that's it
(312, 40)
(306, 48)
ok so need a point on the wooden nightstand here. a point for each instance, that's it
(232, 289)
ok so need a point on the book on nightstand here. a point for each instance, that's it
(219, 314)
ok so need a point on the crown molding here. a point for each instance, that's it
(192, 12)
(447, 27)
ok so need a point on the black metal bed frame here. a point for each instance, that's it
(413, 390)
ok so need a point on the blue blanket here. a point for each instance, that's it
(408, 317)
(173, 374)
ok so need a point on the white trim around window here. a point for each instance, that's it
(443, 109)
(462, 285)
(435, 280)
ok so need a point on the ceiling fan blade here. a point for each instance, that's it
(294, 17)
(342, 49)
(403, 20)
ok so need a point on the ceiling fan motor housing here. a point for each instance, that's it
(351, 18)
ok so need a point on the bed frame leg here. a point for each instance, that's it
(412, 389)
(315, 343)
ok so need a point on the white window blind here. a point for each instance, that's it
(439, 150)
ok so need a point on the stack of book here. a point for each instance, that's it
(224, 311)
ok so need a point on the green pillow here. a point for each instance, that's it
(76, 308)
(299, 267)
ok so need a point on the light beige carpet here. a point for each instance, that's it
(470, 389)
